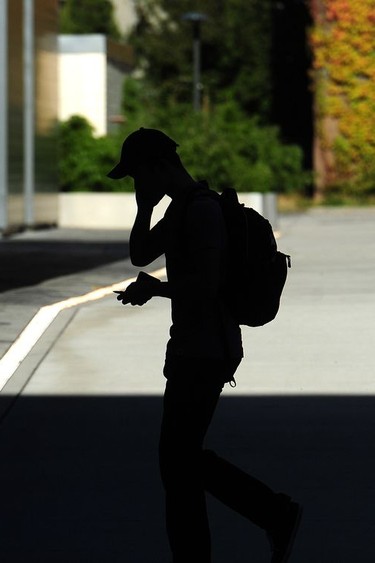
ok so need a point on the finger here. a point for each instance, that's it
(138, 301)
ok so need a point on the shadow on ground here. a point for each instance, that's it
(25, 262)
(80, 483)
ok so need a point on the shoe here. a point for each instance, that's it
(282, 537)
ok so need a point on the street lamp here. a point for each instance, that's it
(196, 18)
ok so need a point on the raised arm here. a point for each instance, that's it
(145, 244)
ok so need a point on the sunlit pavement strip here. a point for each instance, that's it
(320, 343)
(42, 320)
(19, 350)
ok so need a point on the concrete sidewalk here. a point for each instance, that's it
(78, 438)
(39, 268)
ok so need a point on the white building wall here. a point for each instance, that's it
(83, 79)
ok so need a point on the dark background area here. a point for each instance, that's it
(291, 63)
(29, 262)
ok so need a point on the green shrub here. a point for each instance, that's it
(84, 159)
(222, 145)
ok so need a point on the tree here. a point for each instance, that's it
(88, 16)
(344, 72)
(224, 146)
(236, 50)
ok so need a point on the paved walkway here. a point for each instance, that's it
(78, 438)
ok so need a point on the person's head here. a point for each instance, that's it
(149, 156)
(142, 150)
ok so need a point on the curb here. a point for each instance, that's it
(13, 359)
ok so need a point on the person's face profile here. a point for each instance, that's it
(147, 173)
(148, 179)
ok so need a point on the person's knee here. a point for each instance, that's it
(208, 456)
(178, 468)
(208, 460)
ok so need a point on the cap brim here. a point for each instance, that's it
(118, 172)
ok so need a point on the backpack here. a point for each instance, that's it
(256, 270)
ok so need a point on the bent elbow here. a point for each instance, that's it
(138, 256)
(138, 261)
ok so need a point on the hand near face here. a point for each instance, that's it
(147, 195)
(149, 190)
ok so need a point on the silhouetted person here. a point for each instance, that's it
(202, 354)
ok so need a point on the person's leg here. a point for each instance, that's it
(276, 513)
(187, 471)
(189, 404)
(240, 491)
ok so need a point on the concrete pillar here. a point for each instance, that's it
(264, 203)
(3, 114)
(29, 111)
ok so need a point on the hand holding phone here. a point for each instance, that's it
(121, 296)
(140, 291)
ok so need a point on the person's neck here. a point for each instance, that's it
(179, 185)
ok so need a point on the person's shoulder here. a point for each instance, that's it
(204, 213)
(205, 201)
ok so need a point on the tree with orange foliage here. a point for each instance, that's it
(343, 43)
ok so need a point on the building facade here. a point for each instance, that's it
(92, 69)
(28, 98)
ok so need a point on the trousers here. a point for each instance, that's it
(188, 470)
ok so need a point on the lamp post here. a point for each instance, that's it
(196, 18)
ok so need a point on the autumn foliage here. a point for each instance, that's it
(343, 43)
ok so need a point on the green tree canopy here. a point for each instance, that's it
(225, 147)
(88, 16)
(236, 50)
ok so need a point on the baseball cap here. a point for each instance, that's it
(140, 146)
